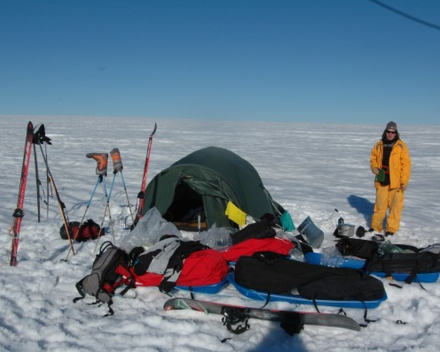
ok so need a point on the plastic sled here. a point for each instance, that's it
(318, 258)
(209, 289)
(296, 299)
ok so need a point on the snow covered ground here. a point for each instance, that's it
(310, 169)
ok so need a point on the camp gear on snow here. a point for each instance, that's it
(208, 179)
(260, 229)
(287, 222)
(236, 317)
(248, 247)
(150, 228)
(141, 195)
(117, 170)
(100, 180)
(345, 230)
(218, 238)
(89, 230)
(101, 162)
(378, 237)
(18, 213)
(294, 298)
(235, 214)
(117, 161)
(40, 138)
(110, 271)
(312, 234)
(360, 232)
(166, 258)
(402, 262)
(272, 273)
(203, 271)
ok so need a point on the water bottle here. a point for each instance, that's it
(387, 247)
(296, 254)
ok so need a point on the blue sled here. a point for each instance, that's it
(296, 299)
(208, 289)
(318, 259)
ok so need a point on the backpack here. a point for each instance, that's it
(110, 270)
(274, 273)
(89, 230)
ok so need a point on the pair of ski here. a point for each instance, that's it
(32, 138)
(235, 318)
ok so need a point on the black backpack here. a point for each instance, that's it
(110, 270)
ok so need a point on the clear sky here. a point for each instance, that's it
(332, 61)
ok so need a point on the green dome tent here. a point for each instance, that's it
(202, 183)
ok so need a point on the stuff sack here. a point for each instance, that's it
(89, 230)
(358, 248)
(273, 273)
(353, 287)
(260, 230)
(251, 246)
(110, 270)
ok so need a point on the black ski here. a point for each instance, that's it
(291, 321)
(19, 212)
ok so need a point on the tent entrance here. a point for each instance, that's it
(185, 208)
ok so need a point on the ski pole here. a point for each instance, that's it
(107, 208)
(38, 183)
(126, 195)
(41, 138)
(48, 184)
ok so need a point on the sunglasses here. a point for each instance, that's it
(391, 132)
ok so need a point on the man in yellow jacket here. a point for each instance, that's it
(391, 163)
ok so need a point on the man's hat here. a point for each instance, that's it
(391, 126)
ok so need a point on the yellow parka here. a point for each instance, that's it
(399, 164)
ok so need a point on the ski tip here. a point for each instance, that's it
(154, 130)
(173, 304)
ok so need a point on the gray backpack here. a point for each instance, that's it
(110, 270)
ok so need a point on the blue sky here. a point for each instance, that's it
(334, 61)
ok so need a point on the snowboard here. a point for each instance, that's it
(291, 321)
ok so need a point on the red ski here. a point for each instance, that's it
(19, 212)
(141, 194)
